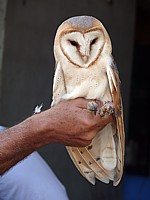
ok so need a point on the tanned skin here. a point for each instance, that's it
(69, 123)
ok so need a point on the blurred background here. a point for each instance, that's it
(27, 30)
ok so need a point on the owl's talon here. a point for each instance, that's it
(101, 112)
(107, 108)
(92, 106)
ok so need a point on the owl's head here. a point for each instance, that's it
(82, 40)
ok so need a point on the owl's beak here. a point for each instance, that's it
(85, 58)
(85, 53)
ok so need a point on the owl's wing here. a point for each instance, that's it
(87, 165)
(81, 164)
(114, 83)
(59, 88)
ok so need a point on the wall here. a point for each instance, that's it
(28, 68)
(3, 4)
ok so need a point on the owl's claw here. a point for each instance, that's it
(92, 106)
(107, 108)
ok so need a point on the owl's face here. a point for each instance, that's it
(82, 40)
(82, 49)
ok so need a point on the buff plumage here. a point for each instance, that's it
(85, 68)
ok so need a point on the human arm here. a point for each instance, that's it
(69, 123)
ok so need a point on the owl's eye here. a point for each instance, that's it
(94, 41)
(73, 43)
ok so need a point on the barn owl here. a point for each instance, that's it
(85, 68)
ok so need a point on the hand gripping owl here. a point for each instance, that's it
(85, 68)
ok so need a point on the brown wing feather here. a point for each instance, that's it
(114, 83)
(81, 165)
(87, 165)
(99, 171)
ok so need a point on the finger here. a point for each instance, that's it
(105, 120)
(82, 102)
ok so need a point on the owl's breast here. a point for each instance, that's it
(88, 83)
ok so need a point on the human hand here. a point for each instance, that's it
(69, 123)
(72, 124)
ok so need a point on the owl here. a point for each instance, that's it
(85, 68)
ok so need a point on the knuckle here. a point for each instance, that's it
(86, 143)
(89, 123)
(89, 136)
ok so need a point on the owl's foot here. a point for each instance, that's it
(107, 108)
(92, 106)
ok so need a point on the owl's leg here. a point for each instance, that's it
(107, 108)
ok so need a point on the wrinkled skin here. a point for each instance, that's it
(76, 126)
(69, 123)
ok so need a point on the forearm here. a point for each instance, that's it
(19, 141)
(69, 123)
